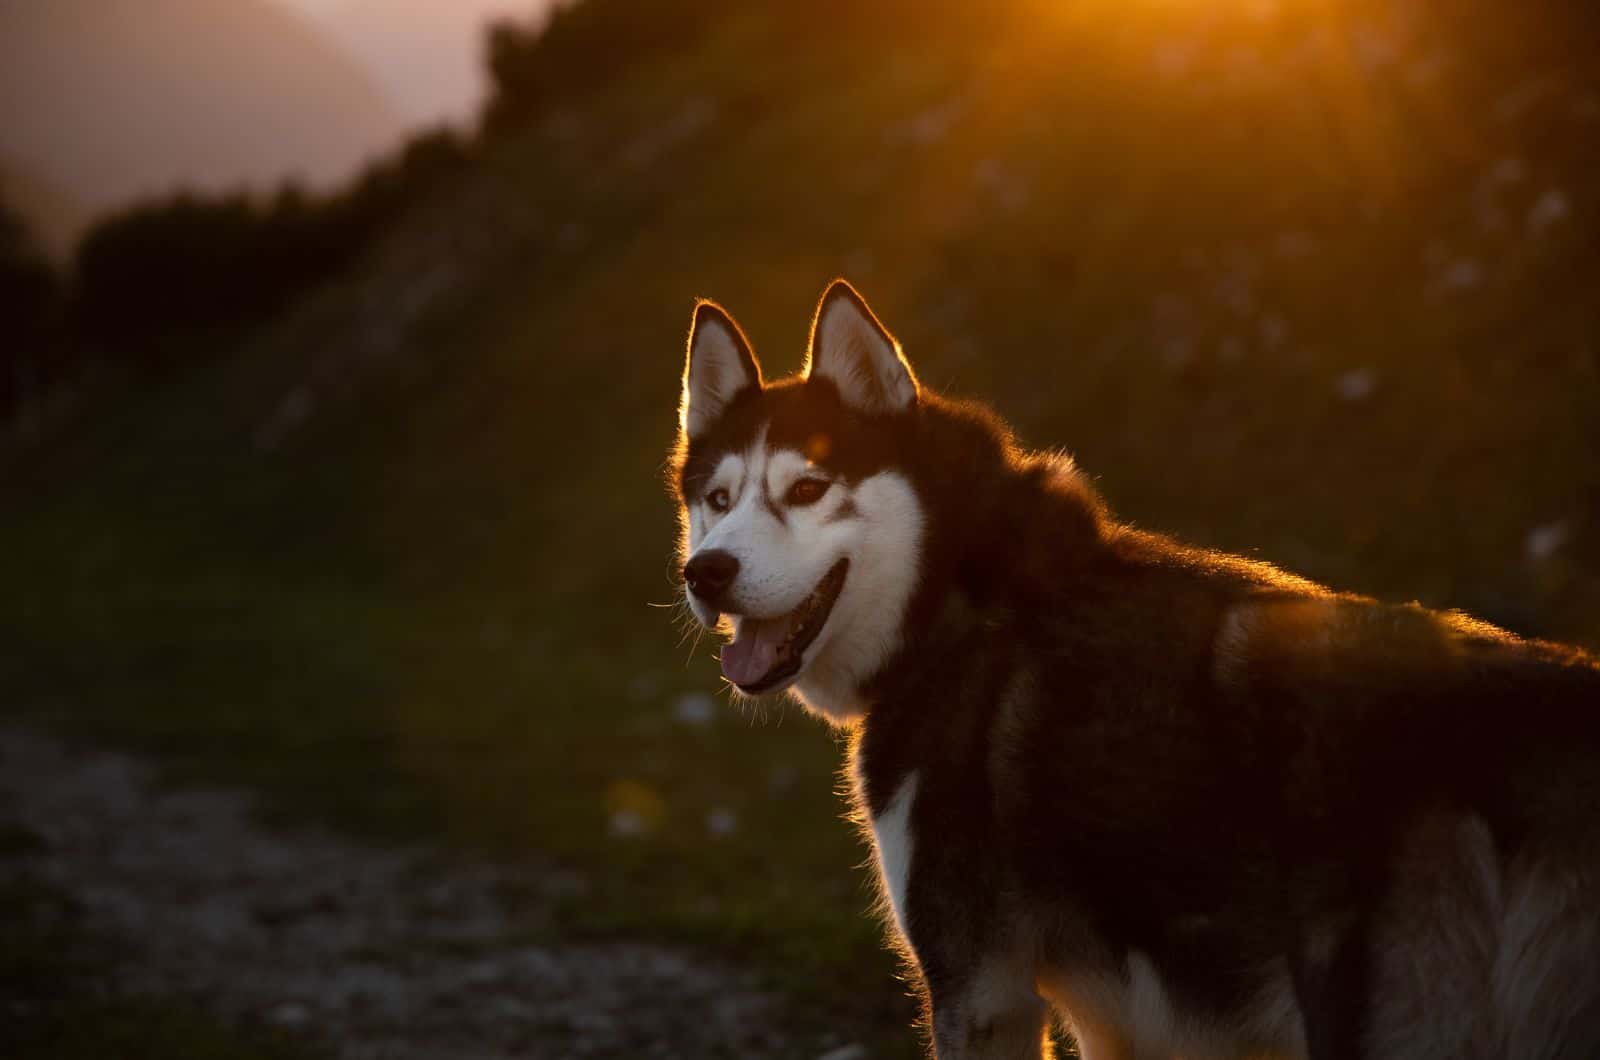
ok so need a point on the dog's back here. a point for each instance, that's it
(1225, 812)
(1446, 775)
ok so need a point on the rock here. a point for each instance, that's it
(399, 953)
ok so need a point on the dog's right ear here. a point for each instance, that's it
(720, 365)
(850, 347)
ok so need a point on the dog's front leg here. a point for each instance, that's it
(987, 1015)
(977, 967)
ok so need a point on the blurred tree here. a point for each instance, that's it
(30, 298)
(583, 47)
(158, 273)
(159, 281)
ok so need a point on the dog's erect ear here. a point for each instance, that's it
(719, 366)
(850, 347)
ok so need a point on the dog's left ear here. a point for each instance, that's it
(850, 347)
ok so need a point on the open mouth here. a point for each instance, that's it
(768, 651)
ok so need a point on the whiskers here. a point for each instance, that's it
(690, 631)
(687, 625)
(757, 709)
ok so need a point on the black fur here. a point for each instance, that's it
(1215, 814)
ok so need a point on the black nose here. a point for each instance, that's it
(710, 573)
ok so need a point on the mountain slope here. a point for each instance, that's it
(1315, 286)
(55, 218)
(113, 99)
(427, 55)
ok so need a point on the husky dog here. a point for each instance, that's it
(1191, 804)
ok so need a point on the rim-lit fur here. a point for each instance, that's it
(1190, 804)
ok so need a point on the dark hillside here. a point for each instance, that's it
(1313, 281)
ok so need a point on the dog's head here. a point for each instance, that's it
(801, 530)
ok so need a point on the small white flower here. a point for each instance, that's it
(695, 709)
(627, 823)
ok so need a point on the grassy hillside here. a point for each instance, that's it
(1315, 285)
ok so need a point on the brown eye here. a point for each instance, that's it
(718, 499)
(806, 491)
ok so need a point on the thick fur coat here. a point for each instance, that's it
(1190, 804)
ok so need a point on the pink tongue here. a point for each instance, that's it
(754, 652)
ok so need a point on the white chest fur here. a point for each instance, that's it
(891, 834)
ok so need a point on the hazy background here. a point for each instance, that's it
(102, 101)
(334, 436)
(427, 56)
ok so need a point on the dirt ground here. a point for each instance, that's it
(364, 951)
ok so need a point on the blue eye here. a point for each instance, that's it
(718, 499)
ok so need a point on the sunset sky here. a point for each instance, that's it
(427, 55)
(106, 101)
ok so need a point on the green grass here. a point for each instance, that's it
(428, 611)
(140, 1029)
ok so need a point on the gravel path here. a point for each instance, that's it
(372, 952)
